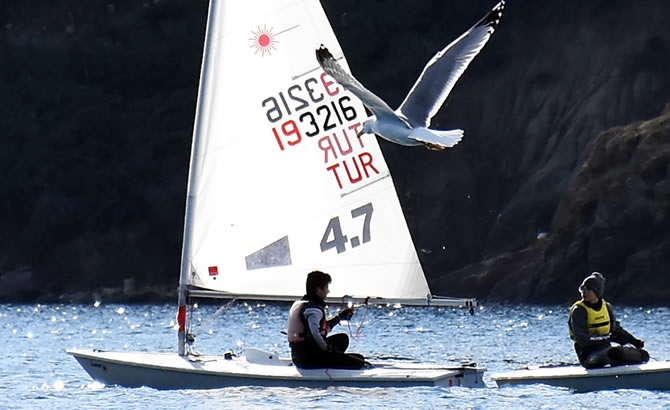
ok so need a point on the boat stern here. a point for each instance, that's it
(472, 375)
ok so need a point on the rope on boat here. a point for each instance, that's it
(190, 338)
(359, 328)
(218, 313)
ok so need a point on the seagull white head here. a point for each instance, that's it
(367, 127)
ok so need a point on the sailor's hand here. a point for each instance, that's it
(346, 314)
(599, 338)
(637, 343)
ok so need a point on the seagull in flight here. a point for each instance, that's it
(408, 125)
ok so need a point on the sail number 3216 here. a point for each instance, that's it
(333, 237)
(311, 122)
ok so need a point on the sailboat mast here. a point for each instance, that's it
(199, 128)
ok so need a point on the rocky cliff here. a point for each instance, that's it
(563, 168)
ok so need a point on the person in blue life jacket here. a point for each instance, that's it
(593, 328)
(308, 330)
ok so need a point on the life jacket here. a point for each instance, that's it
(296, 326)
(297, 323)
(597, 321)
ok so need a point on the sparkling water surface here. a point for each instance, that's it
(37, 373)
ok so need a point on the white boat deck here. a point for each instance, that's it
(171, 371)
(654, 375)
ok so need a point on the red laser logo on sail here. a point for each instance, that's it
(264, 40)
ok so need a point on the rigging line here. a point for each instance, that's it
(359, 329)
(189, 319)
(189, 314)
(218, 313)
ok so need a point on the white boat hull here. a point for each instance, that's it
(648, 376)
(257, 368)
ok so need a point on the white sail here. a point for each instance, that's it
(280, 185)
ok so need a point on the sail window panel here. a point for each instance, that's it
(275, 254)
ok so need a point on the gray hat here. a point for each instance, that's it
(595, 282)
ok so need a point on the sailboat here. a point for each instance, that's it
(280, 185)
(653, 375)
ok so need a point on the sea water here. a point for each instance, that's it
(36, 373)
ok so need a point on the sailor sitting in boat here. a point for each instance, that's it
(593, 326)
(311, 347)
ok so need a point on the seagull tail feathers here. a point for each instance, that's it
(440, 138)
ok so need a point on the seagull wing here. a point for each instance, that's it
(346, 80)
(443, 70)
